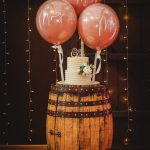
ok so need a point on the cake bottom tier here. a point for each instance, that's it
(72, 77)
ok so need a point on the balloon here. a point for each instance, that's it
(98, 26)
(80, 5)
(56, 21)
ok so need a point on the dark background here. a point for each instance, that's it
(42, 75)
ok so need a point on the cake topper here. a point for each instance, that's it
(82, 48)
(76, 52)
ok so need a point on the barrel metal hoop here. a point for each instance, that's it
(79, 114)
(78, 104)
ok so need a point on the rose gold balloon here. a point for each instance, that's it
(80, 5)
(56, 21)
(98, 26)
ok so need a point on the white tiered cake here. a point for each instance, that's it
(72, 75)
(78, 71)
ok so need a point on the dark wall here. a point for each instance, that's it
(42, 75)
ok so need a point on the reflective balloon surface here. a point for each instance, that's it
(56, 21)
(98, 26)
(80, 5)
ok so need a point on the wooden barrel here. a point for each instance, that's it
(79, 118)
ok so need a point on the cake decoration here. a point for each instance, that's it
(86, 70)
(75, 52)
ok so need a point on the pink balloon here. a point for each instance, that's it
(56, 21)
(98, 26)
(80, 5)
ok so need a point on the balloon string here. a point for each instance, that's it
(97, 57)
(99, 67)
(60, 52)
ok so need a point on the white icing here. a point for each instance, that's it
(76, 62)
(72, 73)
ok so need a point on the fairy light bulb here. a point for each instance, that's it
(125, 89)
(126, 141)
(130, 119)
(110, 91)
(126, 17)
(125, 99)
(130, 109)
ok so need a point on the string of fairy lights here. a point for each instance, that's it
(5, 112)
(105, 60)
(126, 78)
(30, 90)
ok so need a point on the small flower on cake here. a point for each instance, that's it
(85, 70)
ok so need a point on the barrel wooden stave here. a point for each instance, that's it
(79, 133)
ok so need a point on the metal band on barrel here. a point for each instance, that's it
(78, 104)
(79, 114)
(79, 89)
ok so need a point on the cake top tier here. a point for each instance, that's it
(74, 63)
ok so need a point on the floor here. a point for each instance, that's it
(44, 147)
(24, 147)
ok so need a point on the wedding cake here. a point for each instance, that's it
(78, 71)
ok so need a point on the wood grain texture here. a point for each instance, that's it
(75, 131)
(94, 128)
(84, 129)
(50, 124)
(79, 133)
(68, 127)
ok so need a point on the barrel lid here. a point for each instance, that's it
(65, 88)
